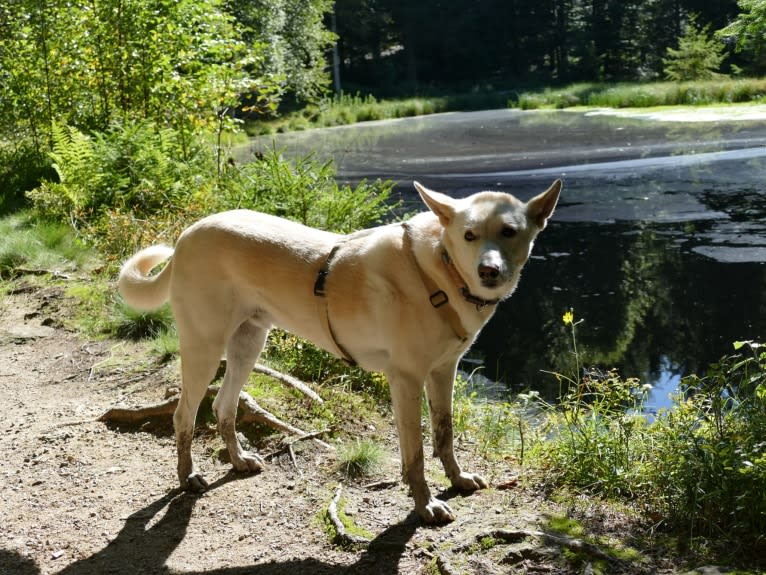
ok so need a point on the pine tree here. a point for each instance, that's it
(698, 56)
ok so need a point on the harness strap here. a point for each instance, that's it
(438, 297)
(319, 290)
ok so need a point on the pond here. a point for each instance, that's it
(658, 243)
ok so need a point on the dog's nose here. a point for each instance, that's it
(488, 272)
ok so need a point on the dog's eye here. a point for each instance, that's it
(508, 232)
(469, 236)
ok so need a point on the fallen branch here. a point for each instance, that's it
(341, 537)
(253, 413)
(384, 484)
(288, 380)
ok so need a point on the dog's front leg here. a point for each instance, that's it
(406, 396)
(439, 387)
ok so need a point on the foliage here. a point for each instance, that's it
(39, 245)
(309, 363)
(595, 428)
(698, 56)
(498, 428)
(748, 32)
(708, 462)
(136, 325)
(134, 185)
(305, 190)
(391, 48)
(22, 167)
(293, 40)
(360, 458)
(700, 465)
(179, 63)
(645, 94)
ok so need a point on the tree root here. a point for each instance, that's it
(288, 380)
(252, 412)
(341, 537)
(519, 535)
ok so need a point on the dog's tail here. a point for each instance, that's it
(140, 290)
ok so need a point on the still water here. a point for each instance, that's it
(658, 243)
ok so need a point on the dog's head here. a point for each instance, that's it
(489, 235)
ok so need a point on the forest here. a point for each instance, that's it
(205, 62)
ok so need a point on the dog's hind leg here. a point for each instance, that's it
(439, 385)
(241, 353)
(198, 366)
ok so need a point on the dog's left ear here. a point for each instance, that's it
(540, 208)
(440, 204)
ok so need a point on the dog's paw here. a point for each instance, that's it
(195, 482)
(469, 482)
(436, 513)
(249, 463)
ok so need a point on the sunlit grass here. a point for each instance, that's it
(645, 94)
(27, 244)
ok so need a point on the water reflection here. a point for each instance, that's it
(651, 309)
(659, 241)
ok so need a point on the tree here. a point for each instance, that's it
(698, 57)
(748, 32)
(292, 39)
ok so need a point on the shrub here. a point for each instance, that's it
(708, 463)
(22, 167)
(305, 190)
(136, 185)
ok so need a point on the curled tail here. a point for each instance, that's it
(140, 290)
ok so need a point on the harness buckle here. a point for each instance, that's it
(438, 298)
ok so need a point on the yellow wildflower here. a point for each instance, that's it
(568, 317)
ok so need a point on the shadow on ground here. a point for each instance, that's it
(143, 546)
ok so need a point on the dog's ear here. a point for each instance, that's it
(440, 204)
(540, 208)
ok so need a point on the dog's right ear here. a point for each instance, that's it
(440, 204)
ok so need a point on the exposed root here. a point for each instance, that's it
(288, 380)
(163, 411)
(511, 536)
(341, 537)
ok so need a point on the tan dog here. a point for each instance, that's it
(405, 299)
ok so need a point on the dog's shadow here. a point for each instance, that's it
(151, 534)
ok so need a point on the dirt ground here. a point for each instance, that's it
(81, 497)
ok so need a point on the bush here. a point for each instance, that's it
(305, 190)
(22, 168)
(137, 184)
(708, 462)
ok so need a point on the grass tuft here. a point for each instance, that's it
(360, 458)
(137, 325)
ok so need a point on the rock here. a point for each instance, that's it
(26, 332)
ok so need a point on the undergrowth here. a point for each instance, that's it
(641, 95)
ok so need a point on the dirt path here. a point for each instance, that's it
(79, 497)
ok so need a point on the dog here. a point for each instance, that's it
(406, 299)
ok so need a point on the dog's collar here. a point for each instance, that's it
(462, 286)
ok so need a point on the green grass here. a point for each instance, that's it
(27, 244)
(643, 95)
(349, 109)
(360, 458)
